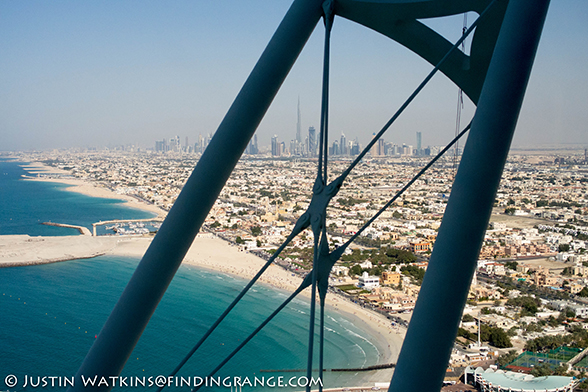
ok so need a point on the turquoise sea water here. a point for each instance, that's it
(52, 313)
(25, 204)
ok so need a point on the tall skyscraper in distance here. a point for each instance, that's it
(311, 141)
(252, 146)
(418, 140)
(160, 145)
(355, 147)
(335, 150)
(343, 145)
(293, 147)
(374, 151)
(276, 147)
(381, 147)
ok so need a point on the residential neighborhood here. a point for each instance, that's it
(532, 275)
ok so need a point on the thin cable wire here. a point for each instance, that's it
(304, 284)
(320, 231)
(400, 192)
(234, 303)
(322, 173)
(459, 100)
(263, 324)
(312, 311)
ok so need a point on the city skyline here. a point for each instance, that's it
(88, 75)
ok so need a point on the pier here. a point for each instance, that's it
(83, 230)
(362, 369)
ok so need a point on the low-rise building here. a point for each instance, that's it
(391, 278)
(368, 282)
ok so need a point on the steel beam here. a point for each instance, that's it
(427, 348)
(158, 266)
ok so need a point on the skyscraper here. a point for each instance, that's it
(335, 149)
(355, 147)
(311, 141)
(275, 146)
(381, 147)
(160, 145)
(343, 145)
(419, 150)
(374, 149)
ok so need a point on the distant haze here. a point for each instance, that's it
(93, 74)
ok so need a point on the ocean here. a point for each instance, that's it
(52, 313)
(26, 204)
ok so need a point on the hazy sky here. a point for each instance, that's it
(82, 73)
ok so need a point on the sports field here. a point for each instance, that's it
(553, 358)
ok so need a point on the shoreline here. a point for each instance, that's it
(85, 187)
(207, 251)
(214, 254)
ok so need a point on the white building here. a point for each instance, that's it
(366, 264)
(368, 282)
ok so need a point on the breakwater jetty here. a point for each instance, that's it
(83, 230)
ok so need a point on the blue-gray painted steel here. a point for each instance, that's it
(131, 314)
(433, 327)
(430, 337)
(400, 20)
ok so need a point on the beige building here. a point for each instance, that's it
(391, 278)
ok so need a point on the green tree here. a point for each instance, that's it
(255, 231)
(583, 292)
(512, 265)
(239, 240)
(467, 318)
(507, 358)
(375, 271)
(499, 338)
(569, 312)
(541, 370)
(356, 270)
(529, 305)
(510, 211)
(464, 333)
(417, 273)
(542, 203)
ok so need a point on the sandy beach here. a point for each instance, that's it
(207, 251)
(40, 172)
(210, 252)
